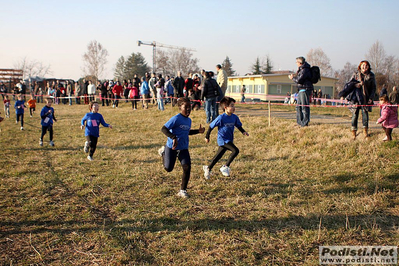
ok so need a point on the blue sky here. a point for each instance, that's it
(57, 32)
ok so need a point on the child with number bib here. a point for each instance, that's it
(92, 122)
(47, 115)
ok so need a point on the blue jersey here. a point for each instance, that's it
(180, 126)
(226, 124)
(93, 121)
(47, 118)
(144, 89)
(19, 107)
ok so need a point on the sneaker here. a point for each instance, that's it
(52, 143)
(22, 128)
(182, 194)
(89, 158)
(207, 173)
(385, 139)
(113, 106)
(40, 142)
(161, 151)
(86, 147)
(225, 170)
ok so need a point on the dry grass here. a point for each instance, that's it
(57, 208)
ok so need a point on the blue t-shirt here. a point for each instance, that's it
(19, 107)
(226, 124)
(47, 118)
(93, 121)
(180, 126)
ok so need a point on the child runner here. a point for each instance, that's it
(32, 105)
(225, 123)
(177, 130)
(389, 117)
(19, 110)
(92, 132)
(7, 106)
(47, 115)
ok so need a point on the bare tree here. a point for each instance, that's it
(317, 57)
(376, 56)
(95, 59)
(32, 68)
(177, 60)
(344, 75)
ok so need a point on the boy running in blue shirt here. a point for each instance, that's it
(19, 110)
(92, 121)
(226, 123)
(47, 115)
(177, 129)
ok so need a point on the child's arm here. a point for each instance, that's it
(196, 131)
(82, 123)
(245, 133)
(384, 115)
(169, 134)
(208, 134)
(102, 121)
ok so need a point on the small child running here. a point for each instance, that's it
(225, 123)
(19, 110)
(32, 105)
(177, 129)
(92, 122)
(389, 117)
(7, 103)
(47, 115)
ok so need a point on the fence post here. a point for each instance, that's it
(269, 112)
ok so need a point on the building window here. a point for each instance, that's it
(237, 89)
(279, 88)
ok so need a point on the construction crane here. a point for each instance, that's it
(154, 45)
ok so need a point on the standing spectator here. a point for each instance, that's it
(305, 88)
(126, 89)
(243, 90)
(3, 89)
(39, 95)
(189, 84)
(383, 90)
(160, 92)
(319, 95)
(209, 93)
(117, 90)
(83, 88)
(179, 85)
(134, 95)
(145, 92)
(153, 89)
(77, 92)
(7, 103)
(102, 88)
(69, 91)
(91, 90)
(137, 80)
(394, 96)
(169, 89)
(222, 82)
(63, 93)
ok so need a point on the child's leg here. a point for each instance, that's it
(169, 159)
(219, 154)
(44, 130)
(22, 120)
(234, 152)
(92, 144)
(30, 111)
(389, 133)
(185, 161)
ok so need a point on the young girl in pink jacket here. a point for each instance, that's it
(389, 117)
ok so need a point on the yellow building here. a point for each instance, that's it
(258, 87)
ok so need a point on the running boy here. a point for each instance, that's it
(92, 132)
(32, 105)
(47, 115)
(19, 110)
(177, 129)
(225, 123)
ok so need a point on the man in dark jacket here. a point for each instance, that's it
(394, 96)
(179, 84)
(305, 89)
(209, 93)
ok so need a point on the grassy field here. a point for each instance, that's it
(292, 189)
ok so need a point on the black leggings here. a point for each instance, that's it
(31, 110)
(169, 160)
(92, 144)
(222, 149)
(20, 117)
(388, 132)
(44, 130)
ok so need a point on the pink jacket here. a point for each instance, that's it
(389, 116)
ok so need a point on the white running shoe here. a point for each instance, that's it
(22, 128)
(161, 151)
(182, 194)
(52, 143)
(385, 139)
(89, 158)
(207, 173)
(86, 147)
(225, 170)
(40, 142)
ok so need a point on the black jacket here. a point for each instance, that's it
(304, 77)
(211, 89)
(179, 86)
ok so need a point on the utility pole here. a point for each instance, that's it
(154, 45)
